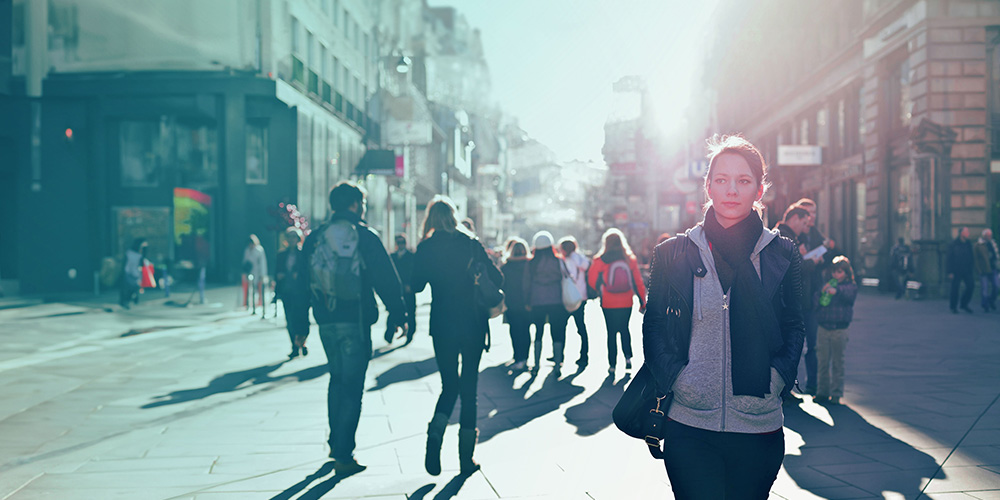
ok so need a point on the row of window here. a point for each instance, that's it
(323, 73)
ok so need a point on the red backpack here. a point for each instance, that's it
(619, 277)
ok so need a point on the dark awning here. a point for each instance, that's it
(377, 162)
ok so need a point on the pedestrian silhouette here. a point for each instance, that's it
(404, 372)
(233, 381)
(594, 414)
(555, 392)
(895, 466)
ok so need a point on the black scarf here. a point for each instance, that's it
(731, 250)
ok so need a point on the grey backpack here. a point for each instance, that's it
(335, 265)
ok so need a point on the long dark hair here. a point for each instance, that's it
(440, 216)
(613, 244)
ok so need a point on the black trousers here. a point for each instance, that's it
(455, 383)
(296, 317)
(966, 294)
(581, 328)
(520, 332)
(617, 321)
(721, 465)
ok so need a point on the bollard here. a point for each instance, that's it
(166, 282)
(252, 295)
(201, 285)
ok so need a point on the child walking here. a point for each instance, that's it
(835, 310)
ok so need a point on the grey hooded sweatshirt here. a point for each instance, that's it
(703, 391)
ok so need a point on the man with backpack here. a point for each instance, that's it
(345, 262)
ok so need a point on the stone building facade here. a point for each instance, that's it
(898, 96)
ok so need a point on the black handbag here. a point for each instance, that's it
(489, 296)
(642, 411)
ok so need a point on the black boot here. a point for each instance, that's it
(466, 445)
(435, 434)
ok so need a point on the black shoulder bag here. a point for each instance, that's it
(489, 296)
(642, 410)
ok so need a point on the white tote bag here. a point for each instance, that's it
(570, 293)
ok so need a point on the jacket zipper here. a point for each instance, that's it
(725, 359)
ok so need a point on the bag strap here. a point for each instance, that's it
(654, 428)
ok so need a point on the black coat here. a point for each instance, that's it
(960, 258)
(666, 326)
(514, 276)
(404, 266)
(442, 261)
(290, 283)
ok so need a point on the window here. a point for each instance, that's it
(142, 147)
(900, 105)
(311, 50)
(804, 131)
(994, 91)
(336, 75)
(296, 37)
(149, 148)
(323, 63)
(841, 139)
(822, 128)
(256, 153)
(196, 156)
(861, 114)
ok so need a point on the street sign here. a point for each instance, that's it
(698, 169)
(800, 155)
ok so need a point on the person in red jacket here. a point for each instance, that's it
(615, 273)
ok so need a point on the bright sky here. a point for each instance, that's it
(552, 62)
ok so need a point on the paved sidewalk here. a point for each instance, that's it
(236, 421)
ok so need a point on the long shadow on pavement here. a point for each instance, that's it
(317, 491)
(405, 372)
(856, 451)
(232, 381)
(594, 414)
(512, 410)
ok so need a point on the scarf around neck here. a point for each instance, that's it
(748, 308)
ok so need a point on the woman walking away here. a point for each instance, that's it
(543, 295)
(615, 272)
(288, 287)
(458, 326)
(834, 312)
(515, 269)
(723, 331)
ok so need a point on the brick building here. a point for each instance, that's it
(891, 105)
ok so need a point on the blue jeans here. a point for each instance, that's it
(348, 349)
(989, 285)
